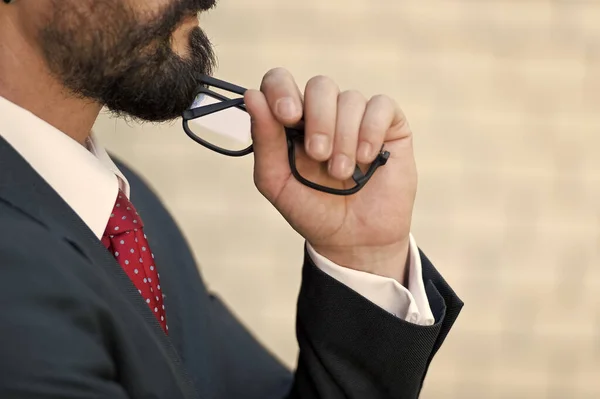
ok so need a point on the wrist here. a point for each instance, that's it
(387, 261)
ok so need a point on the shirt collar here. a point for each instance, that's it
(86, 178)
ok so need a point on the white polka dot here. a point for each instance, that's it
(118, 205)
(151, 267)
(124, 217)
(111, 236)
(128, 208)
(140, 291)
(167, 328)
(162, 318)
(149, 279)
(135, 221)
(163, 306)
(122, 242)
(152, 256)
(143, 248)
(112, 215)
(136, 240)
(134, 229)
(158, 286)
(117, 253)
(126, 262)
(136, 271)
(141, 260)
(151, 289)
(145, 280)
(145, 236)
(132, 250)
(156, 299)
(148, 300)
(116, 228)
(120, 197)
(155, 310)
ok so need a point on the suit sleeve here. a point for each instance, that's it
(350, 348)
(51, 345)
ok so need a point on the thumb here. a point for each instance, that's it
(271, 164)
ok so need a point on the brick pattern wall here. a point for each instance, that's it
(503, 97)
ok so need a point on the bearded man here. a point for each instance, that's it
(101, 298)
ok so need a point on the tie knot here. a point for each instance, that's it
(124, 217)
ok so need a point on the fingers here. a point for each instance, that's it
(362, 128)
(266, 129)
(270, 145)
(277, 104)
(351, 107)
(342, 129)
(320, 115)
(379, 116)
(283, 96)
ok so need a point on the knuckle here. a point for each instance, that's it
(277, 72)
(353, 96)
(274, 75)
(383, 100)
(320, 130)
(345, 142)
(322, 81)
(327, 136)
(371, 128)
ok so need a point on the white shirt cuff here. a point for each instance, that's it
(409, 304)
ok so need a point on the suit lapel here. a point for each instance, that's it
(25, 190)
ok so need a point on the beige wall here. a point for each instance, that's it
(503, 97)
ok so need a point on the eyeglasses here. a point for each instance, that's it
(223, 125)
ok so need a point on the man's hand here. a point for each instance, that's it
(367, 231)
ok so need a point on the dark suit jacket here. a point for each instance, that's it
(72, 325)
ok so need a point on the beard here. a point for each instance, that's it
(105, 51)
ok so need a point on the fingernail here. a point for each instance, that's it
(342, 166)
(286, 108)
(318, 146)
(365, 152)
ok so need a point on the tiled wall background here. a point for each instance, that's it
(503, 97)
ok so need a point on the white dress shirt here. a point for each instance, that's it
(88, 181)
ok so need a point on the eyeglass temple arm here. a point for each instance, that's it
(292, 134)
(223, 85)
(381, 160)
(358, 176)
(211, 108)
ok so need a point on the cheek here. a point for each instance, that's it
(181, 37)
(151, 8)
(33, 17)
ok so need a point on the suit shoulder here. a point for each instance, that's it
(20, 231)
(29, 249)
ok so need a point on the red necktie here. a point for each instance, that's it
(125, 238)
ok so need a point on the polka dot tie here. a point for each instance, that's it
(125, 238)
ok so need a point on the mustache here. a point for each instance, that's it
(159, 30)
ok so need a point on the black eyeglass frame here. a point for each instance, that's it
(292, 135)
